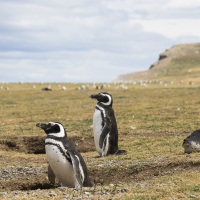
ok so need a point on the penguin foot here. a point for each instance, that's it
(97, 157)
(120, 152)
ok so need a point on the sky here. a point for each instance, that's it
(90, 40)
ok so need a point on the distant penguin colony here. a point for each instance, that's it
(65, 162)
(192, 142)
(105, 125)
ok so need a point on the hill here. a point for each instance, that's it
(179, 63)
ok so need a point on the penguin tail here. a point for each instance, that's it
(121, 152)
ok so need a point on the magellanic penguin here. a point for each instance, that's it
(192, 142)
(105, 125)
(65, 162)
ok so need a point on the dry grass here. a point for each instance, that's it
(152, 122)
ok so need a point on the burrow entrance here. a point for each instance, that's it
(35, 177)
(35, 144)
(99, 175)
(28, 176)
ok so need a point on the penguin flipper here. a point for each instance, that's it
(51, 176)
(105, 131)
(78, 170)
(106, 146)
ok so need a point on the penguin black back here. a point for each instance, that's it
(192, 142)
(105, 125)
(65, 162)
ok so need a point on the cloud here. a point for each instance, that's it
(89, 41)
(172, 28)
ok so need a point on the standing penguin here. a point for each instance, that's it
(105, 125)
(65, 162)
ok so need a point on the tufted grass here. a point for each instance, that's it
(152, 123)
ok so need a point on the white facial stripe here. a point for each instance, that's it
(109, 99)
(100, 108)
(81, 169)
(49, 140)
(61, 133)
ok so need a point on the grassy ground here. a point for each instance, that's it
(152, 122)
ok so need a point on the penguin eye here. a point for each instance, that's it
(49, 125)
(104, 99)
(56, 128)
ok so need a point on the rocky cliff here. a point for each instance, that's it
(181, 62)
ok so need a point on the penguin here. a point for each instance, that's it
(105, 125)
(65, 162)
(192, 142)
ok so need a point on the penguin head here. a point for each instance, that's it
(53, 128)
(104, 98)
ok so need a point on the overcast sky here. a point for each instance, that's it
(90, 40)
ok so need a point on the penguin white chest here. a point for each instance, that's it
(61, 167)
(97, 128)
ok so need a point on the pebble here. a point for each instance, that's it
(133, 127)
(3, 193)
(14, 172)
(192, 196)
(122, 190)
(62, 188)
(87, 193)
(52, 193)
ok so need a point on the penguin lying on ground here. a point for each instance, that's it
(192, 142)
(65, 162)
(105, 126)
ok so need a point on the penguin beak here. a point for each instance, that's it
(94, 96)
(42, 126)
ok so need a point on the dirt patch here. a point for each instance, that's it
(142, 171)
(24, 178)
(104, 172)
(35, 144)
(23, 184)
(83, 144)
(113, 172)
(31, 177)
